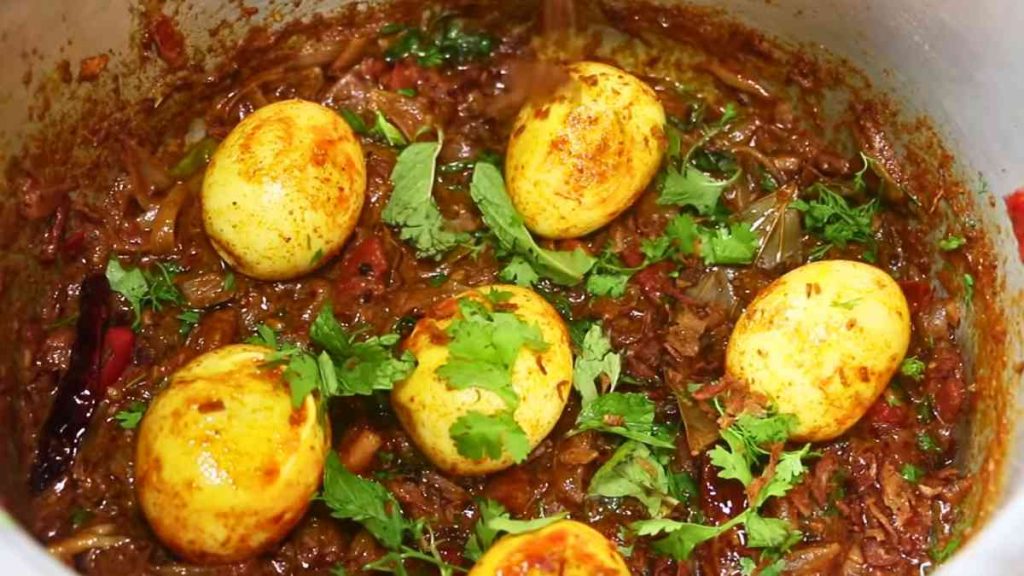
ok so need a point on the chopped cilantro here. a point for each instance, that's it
(130, 417)
(229, 281)
(407, 92)
(912, 367)
(748, 441)
(630, 415)
(945, 552)
(478, 435)
(145, 288)
(968, 288)
(188, 319)
(355, 121)
(445, 43)
(835, 221)
(911, 473)
(633, 471)
(519, 272)
(411, 207)
(494, 520)
(926, 443)
(197, 156)
(951, 242)
(483, 348)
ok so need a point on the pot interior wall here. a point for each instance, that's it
(957, 63)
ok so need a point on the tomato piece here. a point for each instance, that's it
(1015, 207)
(118, 343)
(885, 414)
(364, 269)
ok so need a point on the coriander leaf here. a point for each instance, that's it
(511, 526)
(682, 537)
(632, 471)
(736, 244)
(359, 368)
(188, 319)
(130, 417)
(655, 249)
(484, 346)
(968, 288)
(197, 156)
(128, 283)
(483, 535)
(411, 206)
(683, 233)
(912, 367)
(388, 131)
(629, 415)
(747, 566)
(444, 43)
(691, 187)
(145, 289)
(594, 359)
(478, 435)
(951, 242)
(911, 473)
(789, 470)
(769, 532)
(350, 497)
(943, 553)
(835, 221)
(519, 272)
(355, 122)
(611, 284)
(487, 189)
(303, 377)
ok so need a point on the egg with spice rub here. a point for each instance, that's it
(284, 190)
(224, 466)
(432, 410)
(821, 343)
(565, 548)
(583, 155)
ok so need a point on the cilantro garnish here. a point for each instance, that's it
(488, 191)
(344, 367)
(836, 222)
(495, 520)
(411, 207)
(630, 415)
(912, 367)
(634, 471)
(445, 43)
(683, 183)
(951, 243)
(484, 346)
(478, 435)
(130, 417)
(748, 443)
(145, 288)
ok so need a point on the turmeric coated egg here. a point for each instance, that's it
(428, 406)
(581, 157)
(284, 190)
(822, 343)
(565, 548)
(224, 466)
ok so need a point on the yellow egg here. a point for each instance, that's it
(581, 157)
(284, 190)
(428, 407)
(566, 548)
(822, 343)
(224, 466)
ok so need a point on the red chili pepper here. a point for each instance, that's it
(1015, 207)
(118, 344)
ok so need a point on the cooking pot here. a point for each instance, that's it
(957, 63)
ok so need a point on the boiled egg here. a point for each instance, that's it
(565, 548)
(224, 467)
(581, 157)
(821, 343)
(284, 190)
(428, 407)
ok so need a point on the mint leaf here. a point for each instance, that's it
(350, 497)
(487, 189)
(411, 206)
